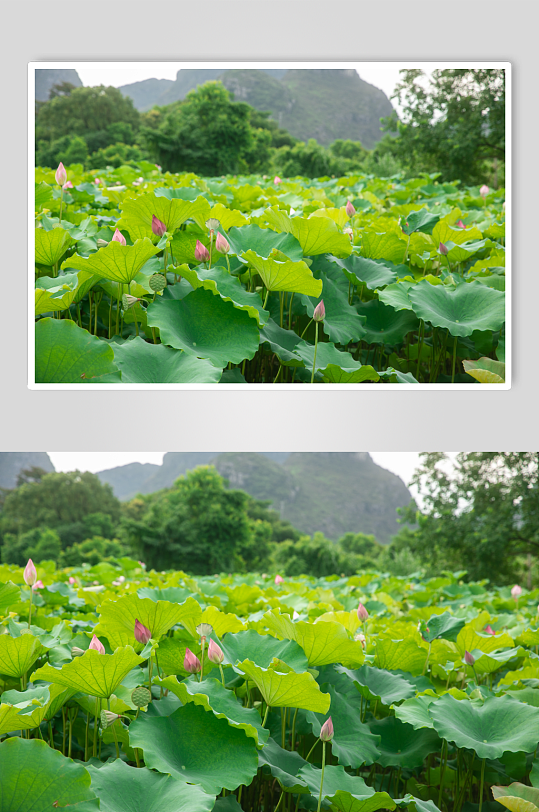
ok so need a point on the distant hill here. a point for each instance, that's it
(321, 103)
(329, 492)
(46, 78)
(13, 462)
(143, 93)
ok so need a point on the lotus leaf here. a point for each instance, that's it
(469, 307)
(67, 354)
(120, 263)
(96, 674)
(290, 690)
(294, 277)
(323, 642)
(117, 617)
(140, 362)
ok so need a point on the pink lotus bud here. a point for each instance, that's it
(158, 167)
(443, 249)
(142, 633)
(350, 210)
(490, 630)
(142, 564)
(279, 579)
(319, 311)
(61, 175)
(97, 181)
(67, 185)
(221, 244)
(97, 645)
(191, 663)
(326, 733)
(39, 585)
(30, 574)
(460, 224)
(362, 613)
(483, 191)
(201, 252)
(72, 580)
(118, 237)
(469, 659)
(158, 227)
(215, 653)
(516, 592)
(277, 179)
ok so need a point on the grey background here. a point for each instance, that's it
(246, 420)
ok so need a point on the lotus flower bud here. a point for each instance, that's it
(215, 653)
(191, 663)
(516, 592)
(140, 697)
(67, 185)
(204, 630)
(77, 652)
(279, 579)
(107, 718)
(201, 252)
(483, 191)
(362, 613)
(158, 227)
(469, 659)
(61, 174)
(222, 245)
(142, 633)
(490, 630)
(30, 574)
(158, 167)
(460, 224)
(443, 249)
(212, 224)
(326, 733)
(118, 237)
(39, 585)
(319, 311)
(128, 301)
(97, 645)
(101, 243)
(97, 181)
(142, 564)
(350, 210)
(277, 180)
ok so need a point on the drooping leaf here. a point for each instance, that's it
(141, 362)
(383, 324)
(137, 213)
(360, 270)
(96, 674)
(400, 745)
(485, 370)
(284, 765)
(335, 365)
(469, 307)
(282, 342)
(345, 792)
(262, 649)
(422, 220)
(376, 683)
(120, 263)
(341, 322)
(396, 295)
(445, 626)
(286, 690)
(65, 353)
(316, 235)
(50, 246)
(117, 617)
(263, 241)
(517, 797)
(9, 594)
(294, 277)
(221, 283)
(323, 642)
(18, 654)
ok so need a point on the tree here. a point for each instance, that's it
(453, 123)
(39, 544)
(482, 516)
(206, 133)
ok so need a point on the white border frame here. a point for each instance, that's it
(228, 64)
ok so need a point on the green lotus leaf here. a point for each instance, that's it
(417, 804)
(120, 263)
(517, 797)
(213, 696)
(375, 683)
(221, 622)
(18, 654)
(485, 370)
(415, 712)
(463, 252)
(341, 322)
(137, 213)
(316, 235)
(24, 715)
(345, 792)
(499, 725)
(121, 788)
(445, 233)
(206, 326)
(54, 293)
(262, 649)
(282, 342)
(263, 241)
(294, 277)
(469, 307)
(35, 778)
(65, 353)
(352, 743)
(141, 362)
(229, 288)
(117, 617)
(360, 270)
(404, 654)
(48, 697)
(399, 747)
(324, 642)
(396, 296)
(445, 626)
(469, 639)
(383, 324)
(42, 194)
(422, 220)
(383, 246)
(396, 376)
(93, 673)
(9, 594)
(51, 245)
(195, 746)
(284, 765)
(328, 357)
(288, 690)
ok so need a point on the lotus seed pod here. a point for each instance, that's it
(141, 697)
(212, 224)
(157, 282)
(102, 243)
(204, 629)
(77, 652)
(108, 718)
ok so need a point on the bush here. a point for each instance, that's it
(69, 149)
(92, 551)
(38, 544)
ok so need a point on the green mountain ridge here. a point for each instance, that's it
(13, 462)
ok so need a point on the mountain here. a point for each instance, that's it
(143, 93)
(13, 462)
(321, 103)
(46, 78)
(331, 492)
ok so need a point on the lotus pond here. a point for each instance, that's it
(123, 689)
(151, 278)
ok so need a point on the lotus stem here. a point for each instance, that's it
(315, 350)
(323, 767)
(454, 360)
(30, 610)
(265, 716)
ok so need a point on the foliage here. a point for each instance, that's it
(414, 725)
(453, 123)
(482, 517)
(320, 557)
(397, 308)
